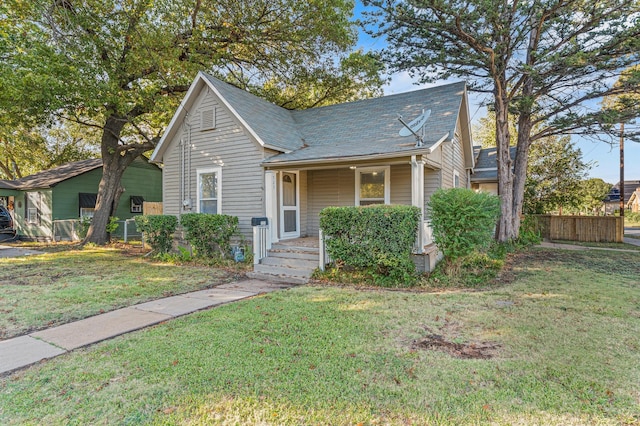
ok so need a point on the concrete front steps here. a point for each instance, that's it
(287, 263)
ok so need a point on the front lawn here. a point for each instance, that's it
(69, 284)
(556, 342)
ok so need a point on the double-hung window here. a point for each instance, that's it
(87, 203)
(456, 179)
(372, 186)
(209, 190)
(33, 205)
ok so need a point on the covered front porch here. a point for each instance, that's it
(294, 198)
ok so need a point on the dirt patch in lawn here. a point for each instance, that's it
(477, 350)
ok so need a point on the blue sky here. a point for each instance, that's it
(605, 156)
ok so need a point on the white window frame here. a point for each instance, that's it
(32, 202)
(456, 175)
(134, 208)
(87, 211)
(387, 181)
(296, 208)
(218, 198)
(32, 215)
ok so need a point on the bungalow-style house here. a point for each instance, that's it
(634, 201)
(228, 151)
(42, 204)
(611, 203)
(485, 173)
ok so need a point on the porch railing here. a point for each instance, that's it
(427, 233)
(261, 242)
(324, 258)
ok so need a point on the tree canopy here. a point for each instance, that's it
(27, 150)
(484, 131)
(546, 62)
(554, 176)
(593, 191)
(121, 66)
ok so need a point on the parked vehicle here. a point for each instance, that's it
(6, 221)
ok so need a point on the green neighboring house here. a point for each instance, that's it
(45, 205)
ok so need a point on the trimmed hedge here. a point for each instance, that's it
(158, 230)
(462, 220)
(376, 239)
(210, 234)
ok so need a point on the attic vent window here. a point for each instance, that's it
(208, 119)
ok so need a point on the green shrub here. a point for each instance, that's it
(182, 256)
(474, 270)
(374, 239)
(158, 231)
(210, 234)
(462, 221)
(113, 224)
(85, 223)
(631, 218)
(530, 233)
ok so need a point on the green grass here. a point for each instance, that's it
(568, 326)
(65, 285)
(632, 220)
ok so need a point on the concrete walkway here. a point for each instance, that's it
(8, 251)
(23, 351)
(634, 232)
(547, 244)
(632, 241)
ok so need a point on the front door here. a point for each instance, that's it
(289, 205)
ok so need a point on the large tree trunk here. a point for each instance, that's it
(525, 125)
(520, 169)
(504, 232)
(114, 163)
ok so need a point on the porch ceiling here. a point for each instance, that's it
(364, 161)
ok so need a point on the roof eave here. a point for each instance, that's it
(466, 129)
(356, 158)
(170, 131)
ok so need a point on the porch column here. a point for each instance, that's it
(417, 197)
(271, 203)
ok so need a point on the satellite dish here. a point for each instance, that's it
(413, 126)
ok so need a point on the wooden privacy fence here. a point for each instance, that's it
(581, 228)
(151, 208)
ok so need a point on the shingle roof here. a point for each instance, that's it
(51, 177)
(272, 123)
(355, 129)
(629, 188)
(486, 168)
(8, 184)
(371, 126)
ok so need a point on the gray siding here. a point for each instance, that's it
(334, 187)
(431, 184)
(453, 159)
(226, 146)
(401, 184)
